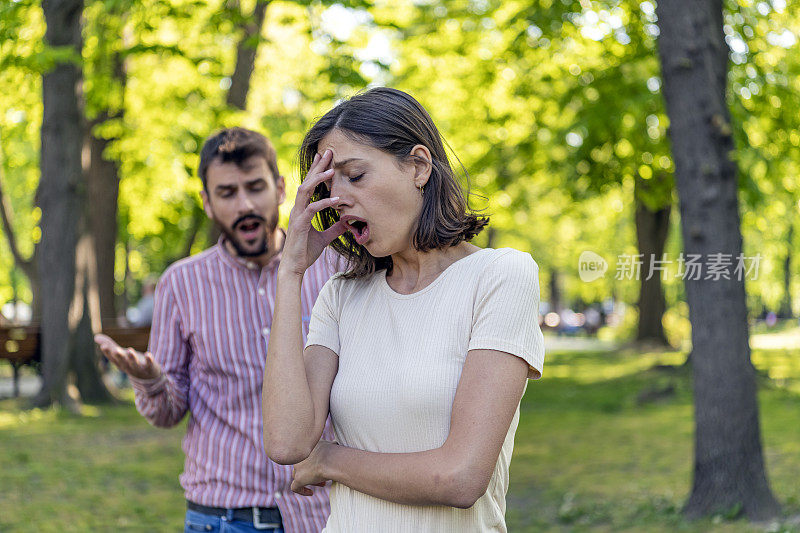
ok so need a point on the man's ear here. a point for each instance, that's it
(423, 164)
(280, 183)
(206, 204)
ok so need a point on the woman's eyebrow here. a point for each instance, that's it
(340, 164)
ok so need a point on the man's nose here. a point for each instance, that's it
(245, 203)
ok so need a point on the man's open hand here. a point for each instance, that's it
(135, 364)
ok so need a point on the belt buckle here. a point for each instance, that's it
(258, 524)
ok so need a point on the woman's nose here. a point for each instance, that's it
(336, 187)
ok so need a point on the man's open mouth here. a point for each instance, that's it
(250, 229)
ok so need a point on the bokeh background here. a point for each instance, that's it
(554, 112)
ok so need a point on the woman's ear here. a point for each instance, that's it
(423, 164)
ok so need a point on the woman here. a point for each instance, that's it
(421, 351)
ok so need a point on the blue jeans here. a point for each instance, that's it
(220, 524)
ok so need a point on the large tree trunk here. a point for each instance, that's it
(59, 196)
(728, 465)
(652, 228)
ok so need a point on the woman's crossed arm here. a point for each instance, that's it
(457, 473)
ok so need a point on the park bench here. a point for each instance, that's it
(19, 345)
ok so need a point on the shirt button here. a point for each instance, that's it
(278, 495)
(250, 265)
(261, 292)
(265, 331)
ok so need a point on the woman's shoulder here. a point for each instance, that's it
(341, 284)
(505, 259)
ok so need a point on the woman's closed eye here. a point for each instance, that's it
(355, 178)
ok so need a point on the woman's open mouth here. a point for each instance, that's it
(359, 228)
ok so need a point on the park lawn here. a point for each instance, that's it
(588, 456)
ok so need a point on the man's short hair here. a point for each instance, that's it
(236, 145)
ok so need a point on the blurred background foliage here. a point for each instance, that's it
(553, 107)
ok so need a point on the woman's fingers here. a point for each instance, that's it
(315, 207)
(311, 182)
(315, 162)
(334, 232)
(318, 173)
(301, 489)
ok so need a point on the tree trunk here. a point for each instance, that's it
(85, 322)
(555, 291)
(198, 217)
(491, 236)
(729, 472)
(59, 195)
(106, 104)
(786, 303)
(246, 51)
(103, 182)
(652, 228)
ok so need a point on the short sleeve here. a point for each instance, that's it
(323, 329)
(506, 312)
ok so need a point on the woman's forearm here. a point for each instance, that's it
(434, 477)
(288, 411)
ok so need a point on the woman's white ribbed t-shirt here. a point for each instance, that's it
(400, 360)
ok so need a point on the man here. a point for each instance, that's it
(208, 347)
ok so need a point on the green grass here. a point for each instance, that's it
(105, 471)
(588, 456)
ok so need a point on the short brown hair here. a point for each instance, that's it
(394, 122)
(236, 145)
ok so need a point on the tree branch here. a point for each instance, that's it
(246, 56)
(24, 264)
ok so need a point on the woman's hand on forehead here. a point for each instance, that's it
(329, 166)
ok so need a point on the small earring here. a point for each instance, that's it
(421, 190)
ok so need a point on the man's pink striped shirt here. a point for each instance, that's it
(211, 324)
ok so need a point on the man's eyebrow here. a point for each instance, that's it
(255, 180)
(224, 187)
(340, 164)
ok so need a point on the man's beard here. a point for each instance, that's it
(262, 247)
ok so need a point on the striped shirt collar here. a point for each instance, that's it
(246, 263)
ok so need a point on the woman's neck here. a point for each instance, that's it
(413, 270)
